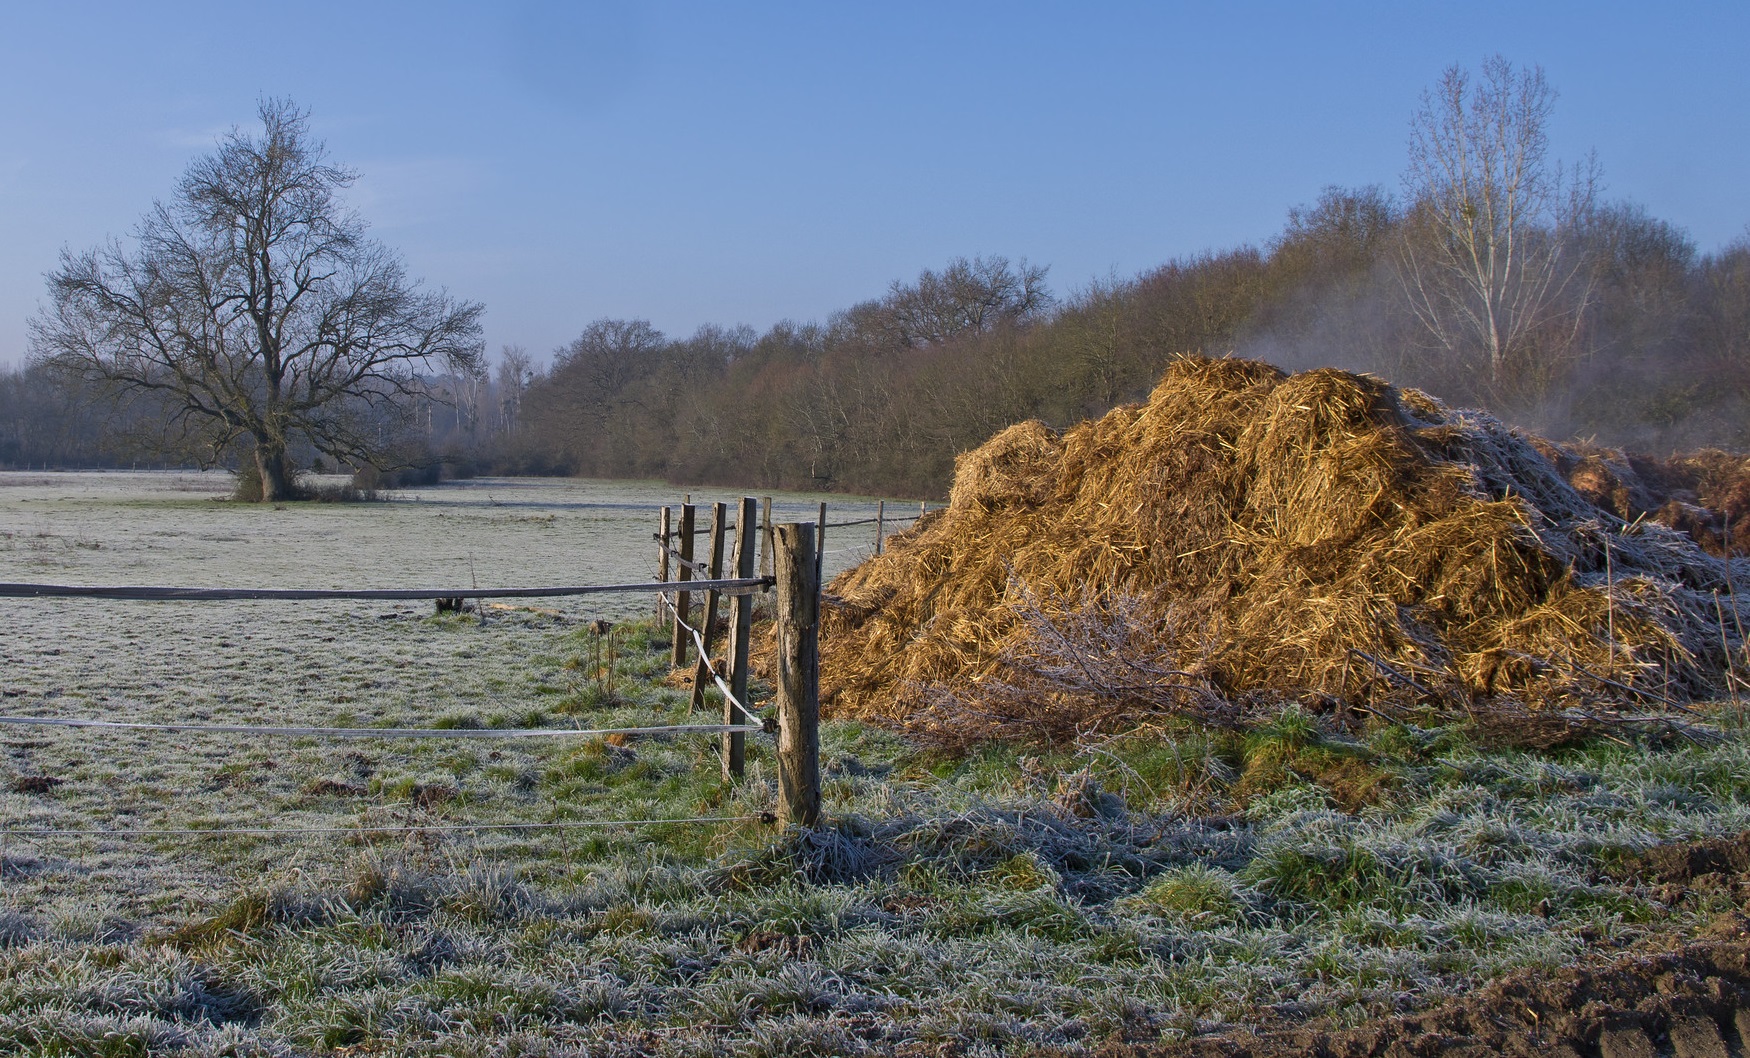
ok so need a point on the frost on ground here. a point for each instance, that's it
(335, 664)
(1143, 890)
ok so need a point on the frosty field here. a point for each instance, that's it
(335, 664)
(1036, 900)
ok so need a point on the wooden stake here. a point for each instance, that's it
(820, 542)
(740, 633)
(1610, 608)
(880, 523)
(682, 600)
(702, 672)
(664, 532)
(1731, 669)
(798, 574)
(765, 536)
(1732, 590)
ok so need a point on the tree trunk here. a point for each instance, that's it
(276, 477)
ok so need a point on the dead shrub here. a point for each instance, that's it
(1088, 667)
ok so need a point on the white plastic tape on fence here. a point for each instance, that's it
(699, 642)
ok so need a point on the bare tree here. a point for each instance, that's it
(516, 371)
(598, 369)
(968, 297)
(1489, 262)
(1343, 233)
(1722, 328)
(1094, 325)
(254, 310)
(472, 380)
(595, 400)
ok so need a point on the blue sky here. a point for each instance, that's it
(694, 163)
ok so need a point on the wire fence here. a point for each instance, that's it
(663, 589)
(724, 586)
(685, 563)
(408, 828)
(899, 521)
(142, 593)
(375, 732)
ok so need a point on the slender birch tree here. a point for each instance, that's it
(1489, 260)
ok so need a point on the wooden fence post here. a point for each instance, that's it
(765, 536)
(740, 632)
(664, 532)
(798, 575)
(683, 601)
(820, 544)
(702, 672)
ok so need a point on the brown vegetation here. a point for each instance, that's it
(1245, 537)
(1705, 495)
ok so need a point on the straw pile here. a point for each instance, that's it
(1247, 536)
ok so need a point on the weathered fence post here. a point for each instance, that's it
(664, 532)
(702, 672)
(820, 544)
(765, 536)
(740, 632)
(683, 601)
(798, 576)
(880, 523)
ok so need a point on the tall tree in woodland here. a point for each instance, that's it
(969, 297)
(1488, 259)
(1721, 297)
(591, 405)
(516, 372)
(255, 312)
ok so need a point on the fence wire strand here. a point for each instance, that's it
(408, 828)
(685, 563)
(377, 732)
(738, 586)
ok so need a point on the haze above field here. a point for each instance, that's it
(692, 164)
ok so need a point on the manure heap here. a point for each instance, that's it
(1248, 537)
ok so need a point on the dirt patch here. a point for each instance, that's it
(1689, 999)
(434, 795)
(790, 945)
(1683, 871)
(1692, 1003)
(1320, 537)
(35, 784)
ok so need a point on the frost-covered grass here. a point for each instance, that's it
(1168, 883)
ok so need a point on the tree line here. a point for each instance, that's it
(1497, 278)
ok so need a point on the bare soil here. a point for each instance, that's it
(1687, 997)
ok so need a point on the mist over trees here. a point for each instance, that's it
(1495, 278)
